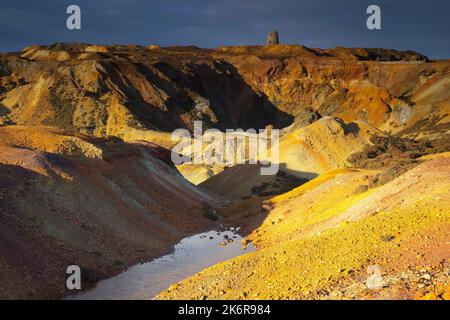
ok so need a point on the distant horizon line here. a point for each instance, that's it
(222, 46)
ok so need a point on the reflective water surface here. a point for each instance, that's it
(191, 255)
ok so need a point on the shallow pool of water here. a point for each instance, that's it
(190, 255)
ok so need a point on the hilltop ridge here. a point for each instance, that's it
(126, 90)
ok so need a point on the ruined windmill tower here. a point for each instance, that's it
(272, 38)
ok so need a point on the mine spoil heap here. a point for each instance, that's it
(86, 173)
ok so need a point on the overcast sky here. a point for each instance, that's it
(422, 26)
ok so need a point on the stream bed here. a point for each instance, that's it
(191, 255)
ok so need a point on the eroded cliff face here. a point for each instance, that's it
(391, 96)
(124, 90)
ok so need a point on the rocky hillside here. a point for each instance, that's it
(66, 198)
(86, 175)
(122, 90)
(303, 154)
(318, 241)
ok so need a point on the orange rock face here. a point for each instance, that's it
(112, 90)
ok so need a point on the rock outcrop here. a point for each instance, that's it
(127, 90)
(303, 154)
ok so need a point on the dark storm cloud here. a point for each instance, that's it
(418, 25)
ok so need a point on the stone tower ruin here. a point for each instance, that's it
(272, 38)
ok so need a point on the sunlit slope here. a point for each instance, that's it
(318, 240)
(127, 90)
(324, 145)
(303, 153)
